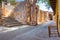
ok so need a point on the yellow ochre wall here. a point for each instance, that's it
(59, 14)
(56, 12)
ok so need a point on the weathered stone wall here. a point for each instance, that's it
(25, 12)
(33, 15)
(6, 10)
(20, 12)
(43, 16)
(39, 17)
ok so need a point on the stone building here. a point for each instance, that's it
(43, 16)
(26, 12)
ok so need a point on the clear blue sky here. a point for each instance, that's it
(41, 6)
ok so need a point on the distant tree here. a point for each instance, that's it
(47, 2)
(0, 1)
(12, 2)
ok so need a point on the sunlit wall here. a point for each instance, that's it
(6, 10)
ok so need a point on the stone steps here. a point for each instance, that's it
(53, 31)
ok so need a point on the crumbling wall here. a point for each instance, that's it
(20, 12)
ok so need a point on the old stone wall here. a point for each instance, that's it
(20, 12)
(33, 15)
(43, 16)
(26, 13)
(6, 10)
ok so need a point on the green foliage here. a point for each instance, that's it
(12, 2)
(0, 1)
(47, 2)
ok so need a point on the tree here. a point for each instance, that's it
(0, 1)
(47, 2)
(12, 2)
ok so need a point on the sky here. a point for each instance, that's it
(41, 6)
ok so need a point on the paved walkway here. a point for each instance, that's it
(26, 32)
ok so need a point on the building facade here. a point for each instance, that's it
(26, 12)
